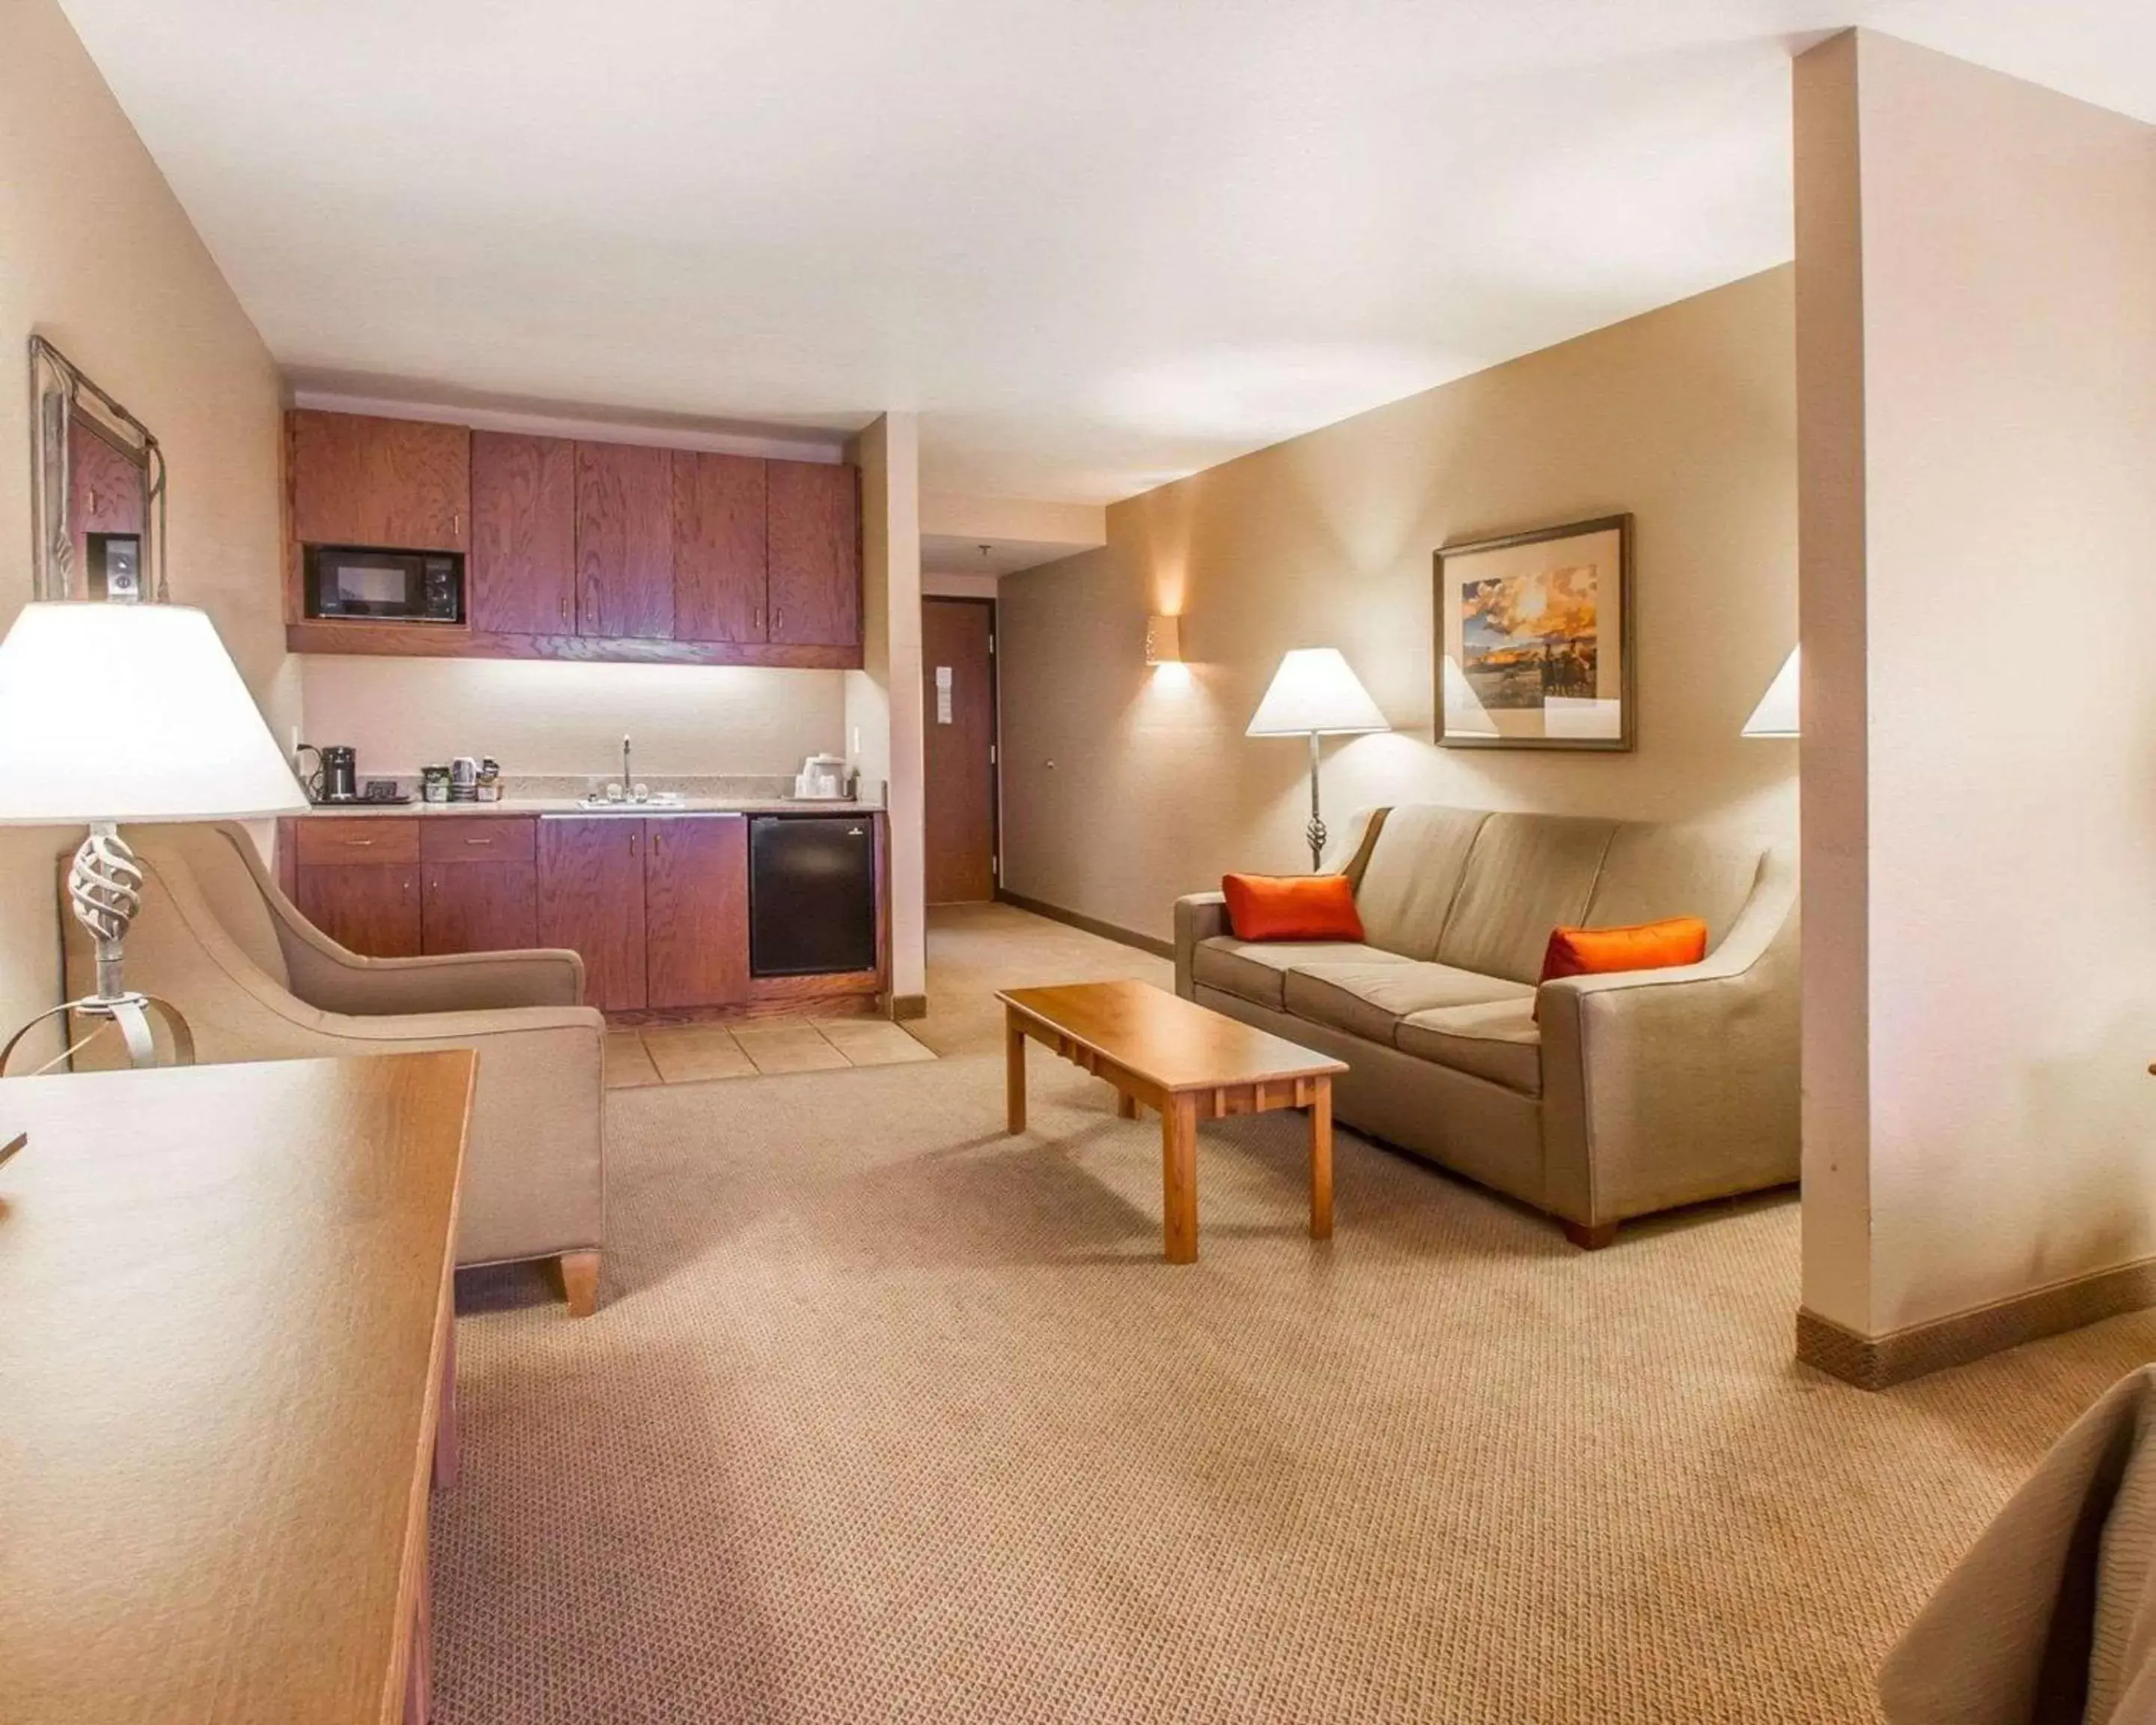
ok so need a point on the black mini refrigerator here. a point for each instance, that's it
(811, 894)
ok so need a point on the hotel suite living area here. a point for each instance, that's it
(1110, 863)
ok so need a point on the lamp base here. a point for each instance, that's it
(105, 887)
(1314, 834)
(132, 1013)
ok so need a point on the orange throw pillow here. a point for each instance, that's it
(1292, 907)
(1646, 946)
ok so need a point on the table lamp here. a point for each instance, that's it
(113, 713)
(1315, 693)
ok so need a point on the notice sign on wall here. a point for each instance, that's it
(942, 693)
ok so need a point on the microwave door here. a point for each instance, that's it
(372, 589)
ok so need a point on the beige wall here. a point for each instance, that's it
(1980, 715)
(542, 716)
(1124, 788)
(96, 254)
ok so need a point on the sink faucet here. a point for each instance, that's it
(627, 778)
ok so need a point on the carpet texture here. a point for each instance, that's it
(886, 1416)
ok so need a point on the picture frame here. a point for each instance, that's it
(1534, 639)
(97, 489)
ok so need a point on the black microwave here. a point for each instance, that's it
(388, 586)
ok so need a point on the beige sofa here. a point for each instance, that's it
(256, 981)
(1623, 1093)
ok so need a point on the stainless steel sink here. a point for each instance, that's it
(626, 805)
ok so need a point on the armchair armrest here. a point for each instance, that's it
(1199, 916)
(1664, 1087)
(324, 975)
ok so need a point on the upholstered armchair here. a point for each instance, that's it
(258, 981)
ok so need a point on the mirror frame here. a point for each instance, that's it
(63, 397)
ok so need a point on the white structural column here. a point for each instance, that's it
(1977, 429)
(883, 699)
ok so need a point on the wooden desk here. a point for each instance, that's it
(1186, 1061)
(224, 1333)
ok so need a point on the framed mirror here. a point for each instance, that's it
(97, 489)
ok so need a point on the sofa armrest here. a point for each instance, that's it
(324, 975)
(1199, 916)
(1664, 1087)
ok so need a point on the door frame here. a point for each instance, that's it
(995, 727)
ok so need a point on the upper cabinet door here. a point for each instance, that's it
(719, 548)
(626, 542)
(523, 534)
(400, 485)
(813, 511)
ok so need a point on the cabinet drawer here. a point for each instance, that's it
(363, 838)
(478, 838)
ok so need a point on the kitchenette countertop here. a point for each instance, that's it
(572, 806)
(542, 794)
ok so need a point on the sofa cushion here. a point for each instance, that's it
(1528, 874)
(1408, 883)
(1292, 907)
(1255, 970)
(1368, 1000)
(1495, 1039)
(1653, 871)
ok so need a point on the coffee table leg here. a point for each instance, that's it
(1127, 1105)
(1014, 1073)
(1321, 1162)
(1179, 1179)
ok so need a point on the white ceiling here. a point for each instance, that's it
(1097, 244)
(957, 554)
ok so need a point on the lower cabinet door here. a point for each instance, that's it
(591, 900)
(695, 910)
(369, 908)
(480, 906)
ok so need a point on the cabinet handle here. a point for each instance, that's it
(359, 843)
(758, 623)
(658, 845)
(778, 617)
(565, 610)
(478, 841)
(456, 523)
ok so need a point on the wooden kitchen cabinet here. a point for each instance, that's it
(812, 521)
(522, 574)
(696, 910)
(479, 883)
(591, 900)
(624, 541)
(720, 547)
(401, 485)
(479, 907)
(582, 550)
(370, 908)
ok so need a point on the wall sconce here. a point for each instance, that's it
(1163, 640)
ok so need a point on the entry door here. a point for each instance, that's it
(958, 696)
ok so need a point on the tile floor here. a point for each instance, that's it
(688, 1053)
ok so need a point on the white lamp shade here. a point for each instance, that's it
(1314, 690)
(130, 713)
(1776, 714)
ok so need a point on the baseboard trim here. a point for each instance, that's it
(1878, 1362)
(1091, 925)
(908, 1006)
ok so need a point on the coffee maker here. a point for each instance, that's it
(335, 778)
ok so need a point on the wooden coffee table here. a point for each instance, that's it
(1187, 1062)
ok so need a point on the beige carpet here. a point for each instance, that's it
(888, 1417)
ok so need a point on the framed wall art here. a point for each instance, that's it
(1534, 639)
